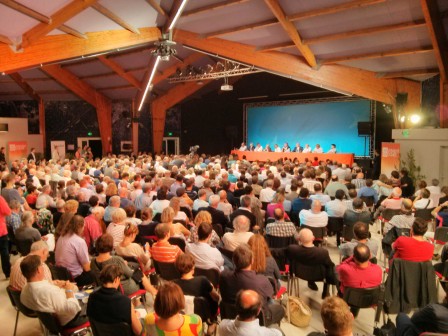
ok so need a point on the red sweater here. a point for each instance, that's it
(4, 211)
(351, 275)
(408, 248)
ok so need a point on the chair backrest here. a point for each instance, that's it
(60, 273)
(347, 233)
(110, 329)
(387, 214)
(14, 297)
(318, 232)
(226, 252)
(402, 232)
(157, 217)
(270, 220)
(201, 308)
(368, 200)
(187, 211)
(24, 246)
(50, 322)
(177, 241)
(212, 274)
(227, 310)
(362, 297)
(424, 214)
(167, 271)
(335, 224)
(307, 272)
(279, 242)
(441, 234)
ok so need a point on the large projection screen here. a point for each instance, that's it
(310, 123)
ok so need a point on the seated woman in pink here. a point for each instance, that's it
(277, 202)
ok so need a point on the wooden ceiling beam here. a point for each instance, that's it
(399, 74)
(115, 18)
(365, 31)
(116, 88)
(346, 79)
(120, 71)
(25, 86)
(213, 6)
(39, 17)
(160, 105)
(6, 40)
(56, 48)
(276, 46)
(256, 25)
(437, 35)
(157, 7)
(86, 92)
(389, 53)
(58, 19)
(333, 9)
(292, 32)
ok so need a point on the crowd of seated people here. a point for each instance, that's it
(116, 216)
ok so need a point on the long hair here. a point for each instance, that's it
(260, 252)
(73, 226)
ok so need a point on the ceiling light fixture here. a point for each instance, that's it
(179, 12)
(148, 85)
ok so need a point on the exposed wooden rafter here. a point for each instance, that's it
(6, 40)
(112, 16)
(399, 74)
(55, 48)
(64, 14)
(389, 53)
(116, 88)
(86, 92)
(276, 46)
(292, 32)
(250, 26)
(157, 7)
(365, 31)
(39, 17)
(346, 79)
(120, 71)
(334, 9)
(25, 86)
(213, 6)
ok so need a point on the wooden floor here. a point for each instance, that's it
(363, 323)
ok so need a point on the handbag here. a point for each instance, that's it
(387, 329)
(299, 312)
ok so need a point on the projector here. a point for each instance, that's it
(226, 87)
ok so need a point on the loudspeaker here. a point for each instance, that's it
(364, 128)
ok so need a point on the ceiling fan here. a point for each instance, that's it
(164, 48)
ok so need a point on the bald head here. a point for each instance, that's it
(396, 192)
(306, 237)
(406, 205)
(316, 206)
(248, 305)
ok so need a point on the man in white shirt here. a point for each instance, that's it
(40, 295)
(243, 147)
(267, 194)
(318, 149)
(277, 149)
(337, 207)
(307, 149)
(205, 256)
(314, 217)
(258, 148)
(318, 195)
(201, 201)
(332, 149)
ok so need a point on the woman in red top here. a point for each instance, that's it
(4, 251)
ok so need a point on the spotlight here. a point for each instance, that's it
(415, 119)
(402, 119)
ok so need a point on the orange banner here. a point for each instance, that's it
(17, 150)
(390, 157)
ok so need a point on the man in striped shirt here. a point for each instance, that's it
(163, 251)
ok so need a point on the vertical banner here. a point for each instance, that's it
(17, 150)
(390, 157)
(57, 150)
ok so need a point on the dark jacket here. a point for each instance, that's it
(409, 285)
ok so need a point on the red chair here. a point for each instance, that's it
(53, 327)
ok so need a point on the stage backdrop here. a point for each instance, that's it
(310, 123)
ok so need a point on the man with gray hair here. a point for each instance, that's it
(144, 200)
(44, 200)
(241, 234)
(114, 204)
(94, 226)
(314, 217)
(224, 204)
(39, 248)
(218, 216)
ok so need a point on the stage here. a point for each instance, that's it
(272, 156)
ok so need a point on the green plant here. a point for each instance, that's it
(410, 164)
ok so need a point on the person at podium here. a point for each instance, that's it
(297, 148)
(332, 149)
(243, 147)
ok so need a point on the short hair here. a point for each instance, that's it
(213, 199)
(247, 312)
(184, 263)
(97, 209)
(146, 214)
(358, 203)
(419, 227)
(361, 253)
(130, 210)
(118, 215)
(242, 257)
(304, 193)
(29, 266)
(109, 273)
(339, 194)
(245, 201)
(201, 192)
(425, 193)
(369, 182)
(180, 191)
(317, 187)
(14, 204)
(93, 200)
(161, 194)
(71, 206)
(105, 243)
(336, 316)
(38, 245)
(278, 214)
(60, 204)
(204, 230)
(162, 230)
(361, 230)
(241, 223)
(169, 300)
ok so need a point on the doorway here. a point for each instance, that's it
(170, 145)
(94, 143)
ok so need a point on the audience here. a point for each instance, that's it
(314, 217)
(241, 234)
(361, 235)
(162, 250)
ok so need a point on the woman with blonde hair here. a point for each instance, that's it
(277, 203)
(263, 262)
(178, 214)
(111, 190)
(127, 248)
(204, 217)
(176, 229)
(117, 226)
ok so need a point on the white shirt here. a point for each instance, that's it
(243, 148)
(117, 232)
(225, 207)
(267, 194)
(318, 150)
(232, 240)
(258, 149)
(307, 150)
(242, 328)
(198, 203)
(278, 150)
(324, 199)
(332, 151)
(48, 298)
(157, 206)
(205, 256)
(423, 204)
(307, 217)
(336, 208)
